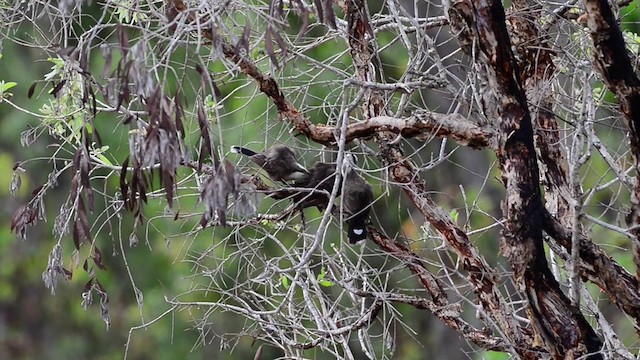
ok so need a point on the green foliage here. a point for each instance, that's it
(322, 279)
(494, 355)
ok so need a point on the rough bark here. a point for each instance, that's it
(563, 328)
(613, 63)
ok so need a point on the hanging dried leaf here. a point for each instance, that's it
(207, 79)
(330, 16)
(278, 39)
(76, 235)
(304, 14)
(268, 46)
(56, 89)
(67, 274)
(106, 53)
(16, 183)
(104, 303)
(23, 217)
(32, 89)
(85, 232)
(123, 39)
(124, 188)
(203, 123)
(319, 10)
(97, 258)
(83, 61)
(242, 47)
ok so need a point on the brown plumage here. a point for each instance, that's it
(279, 161)
(321, 178)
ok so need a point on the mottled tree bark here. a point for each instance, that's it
(561, 325)
(613, 63)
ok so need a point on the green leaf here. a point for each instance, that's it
(56, 69)
(323, 274)
(285, 281)
(454, 215)
(8, 85)
(104, 159)
(321, 279)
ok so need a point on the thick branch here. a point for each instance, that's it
(421, 124)
(538, 70)
(597, 266)
(613, 63)
(565, 330)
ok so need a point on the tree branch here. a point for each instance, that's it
(565, 330)
(613, 63)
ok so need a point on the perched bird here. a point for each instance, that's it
(321, 177)
(357, 199)
(319, 182)
(279, 161)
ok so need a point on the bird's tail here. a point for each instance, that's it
(242, 150)
(357, 228)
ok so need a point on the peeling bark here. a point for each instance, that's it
(613, 63)
(565, 331)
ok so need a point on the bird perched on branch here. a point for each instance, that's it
(357, 199)
(279, 161)
(321, 179)
(312, 189)
(357, 196)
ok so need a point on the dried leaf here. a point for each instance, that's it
(64, 272)
(204, 135)
(243, 42)
(124, 188)
(305, 19)
(124, 40)
(105, 52)
(97, 258)
(268, 46)
(16, 183)
(23, 217)
(206, 78)
(280, 42)
(85, 230)
(32, 89)
(56, 89)
(76, 235)
(83, 61)
(319, 10)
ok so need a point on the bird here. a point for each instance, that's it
(357, 195)
(319, 182)
(279, 161)
(321, 178)
(357, 199)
